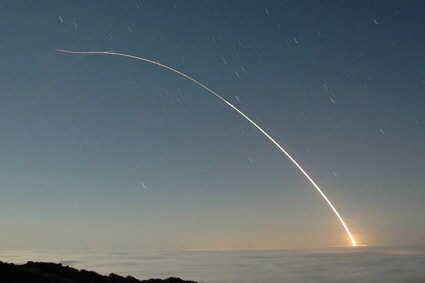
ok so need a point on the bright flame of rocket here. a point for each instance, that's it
(353, 241)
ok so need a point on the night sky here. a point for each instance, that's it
(101, 151)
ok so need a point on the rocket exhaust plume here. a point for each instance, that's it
(347, 230)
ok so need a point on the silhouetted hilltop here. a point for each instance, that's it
(46, 272)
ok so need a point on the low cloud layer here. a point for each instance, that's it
(371, 264)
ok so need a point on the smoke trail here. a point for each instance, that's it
(353, 241)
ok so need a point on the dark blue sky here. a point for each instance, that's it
(101, 151)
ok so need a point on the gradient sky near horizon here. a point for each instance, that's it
(100, 151)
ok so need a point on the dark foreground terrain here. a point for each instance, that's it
(45, 272)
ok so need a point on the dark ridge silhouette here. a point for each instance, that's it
(47, 272)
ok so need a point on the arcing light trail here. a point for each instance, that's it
(353, 241)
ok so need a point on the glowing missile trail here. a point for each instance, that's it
(353, 241)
